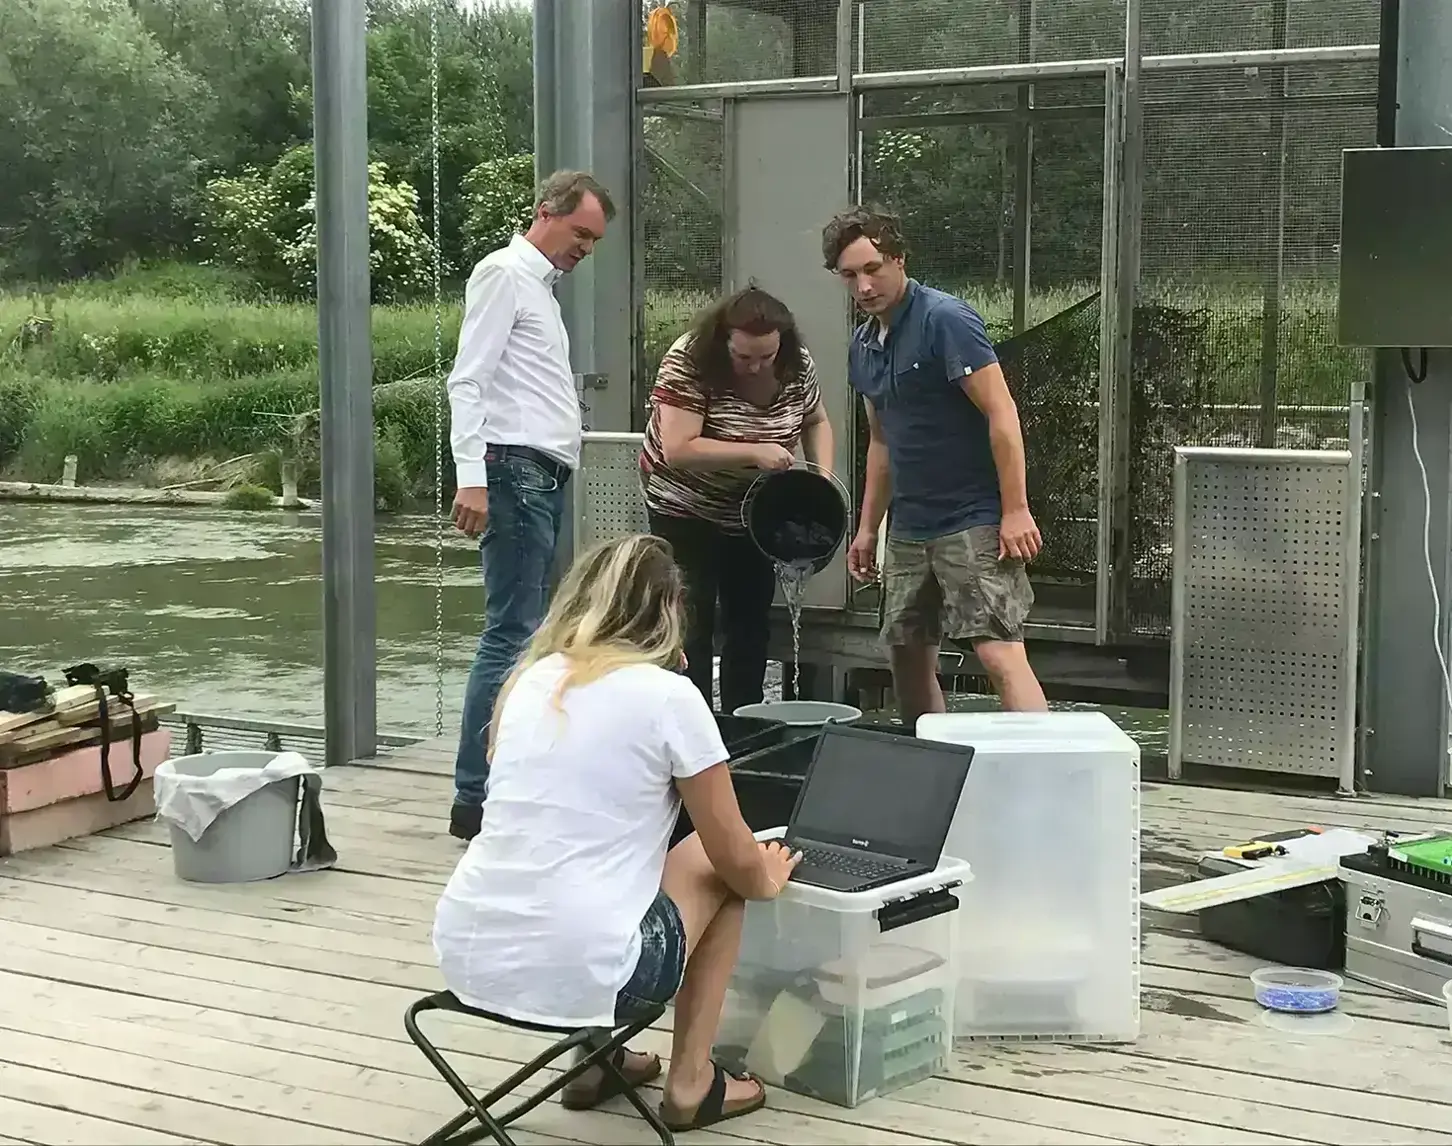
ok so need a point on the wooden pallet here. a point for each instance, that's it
(74, 725)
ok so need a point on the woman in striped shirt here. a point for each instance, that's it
(734, 396)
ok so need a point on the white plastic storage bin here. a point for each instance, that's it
(845, 997)
(1049, 927)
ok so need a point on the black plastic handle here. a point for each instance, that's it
(914, 909)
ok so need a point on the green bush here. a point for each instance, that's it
(391, 487)
(498, 201)
(109, 338)
(263, 223)
(163, 361)
(250, 497)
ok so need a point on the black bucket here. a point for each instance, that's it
(796, 517)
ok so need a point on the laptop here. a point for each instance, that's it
(874, 808)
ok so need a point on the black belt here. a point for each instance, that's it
(551, 465)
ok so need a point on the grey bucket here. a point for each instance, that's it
(252, 840)
(802, 713)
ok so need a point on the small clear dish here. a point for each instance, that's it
(1296, 990)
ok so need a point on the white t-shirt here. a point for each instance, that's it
(540, 920)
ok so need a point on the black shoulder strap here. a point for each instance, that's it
(113, 681)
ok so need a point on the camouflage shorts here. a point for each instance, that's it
(953, 588)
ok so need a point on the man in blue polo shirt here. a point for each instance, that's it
(946, 450)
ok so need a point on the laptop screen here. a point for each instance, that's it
(882, 792)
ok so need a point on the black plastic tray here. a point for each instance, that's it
(769, 779)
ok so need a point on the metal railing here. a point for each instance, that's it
(208, 732)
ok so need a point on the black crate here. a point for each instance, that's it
(746, 734)
(768, 780)
(1301, 926)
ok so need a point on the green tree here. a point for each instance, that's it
(254, 55)
(100, 138)
(265, 224)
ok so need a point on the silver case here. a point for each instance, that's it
(1398, 936)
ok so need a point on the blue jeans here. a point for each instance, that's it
(662, 964)
(517, 553)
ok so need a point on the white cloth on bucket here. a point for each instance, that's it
(193, 802)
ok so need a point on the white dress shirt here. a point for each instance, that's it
(512, 383)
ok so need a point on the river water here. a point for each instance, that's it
(221, 610)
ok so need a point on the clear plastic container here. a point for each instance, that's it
(1296, 990)
(845, 997)
(1049, 822)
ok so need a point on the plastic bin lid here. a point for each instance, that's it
(948, 871)
(1027, 731)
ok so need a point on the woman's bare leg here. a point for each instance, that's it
(712, 915)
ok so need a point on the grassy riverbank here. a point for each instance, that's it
(156, 374)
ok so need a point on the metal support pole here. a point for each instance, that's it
(1270, 326)
(1023, 173)
(1108, 352)
(1131, 170)
(345, 364)
(590, 63)
(586, 68)
(1405, 708)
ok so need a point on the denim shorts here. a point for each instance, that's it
(661, 966)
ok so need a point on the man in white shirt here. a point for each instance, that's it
(515, 429)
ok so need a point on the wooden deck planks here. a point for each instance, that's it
(135, 1008)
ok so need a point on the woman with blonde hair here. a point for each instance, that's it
(567, 910)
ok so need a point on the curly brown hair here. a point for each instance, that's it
(882, 228)
(750, 310)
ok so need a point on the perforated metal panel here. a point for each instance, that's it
(1263, 617)
(608, 501)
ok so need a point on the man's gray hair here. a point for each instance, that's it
(562, 193)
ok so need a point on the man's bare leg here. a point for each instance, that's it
(713, 916)
(915, 680)
(1007, 666)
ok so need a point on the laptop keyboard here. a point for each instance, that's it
(849, 863)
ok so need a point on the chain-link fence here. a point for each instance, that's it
(680, 205)
(960, 167)
(1235, 324)
(1000, 186)
(760, 40)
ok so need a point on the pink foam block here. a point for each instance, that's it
(71, 819)
(77, 773)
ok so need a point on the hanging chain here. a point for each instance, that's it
(438, 382)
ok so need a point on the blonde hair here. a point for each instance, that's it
(622, 603)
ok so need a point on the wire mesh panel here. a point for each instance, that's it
(901, 36)
(730, 41)
(680, 204)
(1170, 27)
(951, 164)
(1266, 564)
(1053, 371)
(1234, 340)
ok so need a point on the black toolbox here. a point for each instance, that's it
(1301, 926)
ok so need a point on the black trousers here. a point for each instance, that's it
(724, 567)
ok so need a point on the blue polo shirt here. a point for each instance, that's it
(943, 476)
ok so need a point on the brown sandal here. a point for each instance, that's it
(580, 1095)
(714, 1107)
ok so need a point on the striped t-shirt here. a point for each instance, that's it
(716, 495)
